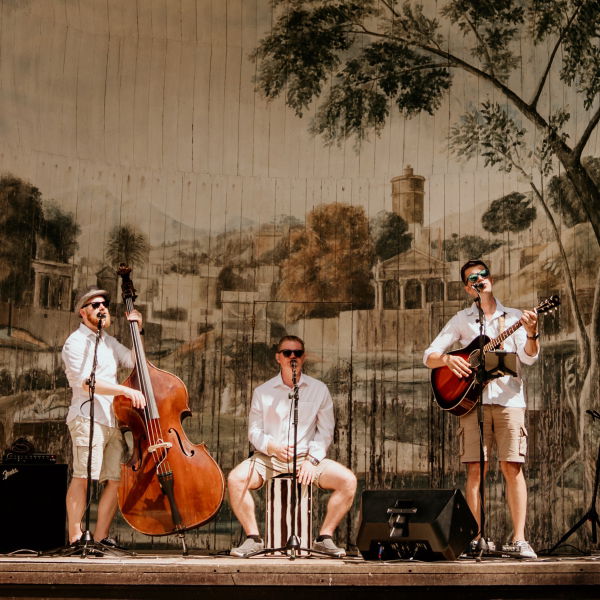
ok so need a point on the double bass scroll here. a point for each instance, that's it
(168, 485)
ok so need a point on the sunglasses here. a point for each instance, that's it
(96, 305)
(473, 277)
(288, 353)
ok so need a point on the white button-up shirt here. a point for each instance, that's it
(78, 355)
(271, 416)
(463, 328)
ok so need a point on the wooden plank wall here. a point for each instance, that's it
(144, 113)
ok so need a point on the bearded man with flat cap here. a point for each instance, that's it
(93, 306)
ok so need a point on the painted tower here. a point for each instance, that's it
(408, 193)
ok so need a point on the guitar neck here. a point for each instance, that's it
(493, 344)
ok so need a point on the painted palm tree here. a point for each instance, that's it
(126, 245)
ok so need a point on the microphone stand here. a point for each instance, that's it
(86, 546)
(293, 543)
(482, 545)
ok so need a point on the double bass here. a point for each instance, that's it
(168, 485)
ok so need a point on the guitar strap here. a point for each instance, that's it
(501, 328)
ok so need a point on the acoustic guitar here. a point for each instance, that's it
(459, 395)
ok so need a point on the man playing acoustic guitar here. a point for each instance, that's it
(503, 398)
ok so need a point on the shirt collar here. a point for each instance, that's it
(280, 383)
(500, 310)
(86, 331)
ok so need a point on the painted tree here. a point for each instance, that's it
(329, 264)
(126, 245)
(563, 198)
(512, 213)
(59, 232)
(21, 217)
(466, 247)
(390, 235)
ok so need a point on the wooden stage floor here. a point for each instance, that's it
(175, 577)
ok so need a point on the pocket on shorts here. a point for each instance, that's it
(461, 441)
(523, 442)
(80, 431)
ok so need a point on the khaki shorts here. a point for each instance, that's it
(268, 466)
(107, 450)
(501, 424)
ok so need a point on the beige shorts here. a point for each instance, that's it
(501, 424)
(268, 466)
(107, 450)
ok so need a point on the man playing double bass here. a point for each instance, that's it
(503, 398)
(270, 432)
(107, 449)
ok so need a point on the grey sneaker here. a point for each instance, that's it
(328, 546)
(520, 549)
(249, 546)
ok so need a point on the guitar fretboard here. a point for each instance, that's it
(492, 344)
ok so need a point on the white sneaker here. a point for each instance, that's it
(520, 548)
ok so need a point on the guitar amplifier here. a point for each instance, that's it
(32, 506)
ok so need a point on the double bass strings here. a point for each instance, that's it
(157, 446)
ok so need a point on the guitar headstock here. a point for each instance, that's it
(548, 305)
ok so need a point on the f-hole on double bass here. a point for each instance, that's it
(168, 485)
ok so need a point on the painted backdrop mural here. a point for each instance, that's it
(261, 181)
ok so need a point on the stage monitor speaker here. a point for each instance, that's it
(420, 524)
(32, 506)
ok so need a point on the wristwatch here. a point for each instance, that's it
(533, 337)
(312, 460)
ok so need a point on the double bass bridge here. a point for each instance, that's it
(160, 445)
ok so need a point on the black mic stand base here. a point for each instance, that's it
(86, 546)
(592, 514)
(483, 548)
(292, 550)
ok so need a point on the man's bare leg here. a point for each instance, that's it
(342, 482)
(240, 481)
(516, 495)
(75, 500)
(107, 507)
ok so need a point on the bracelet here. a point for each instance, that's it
(533, 337)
